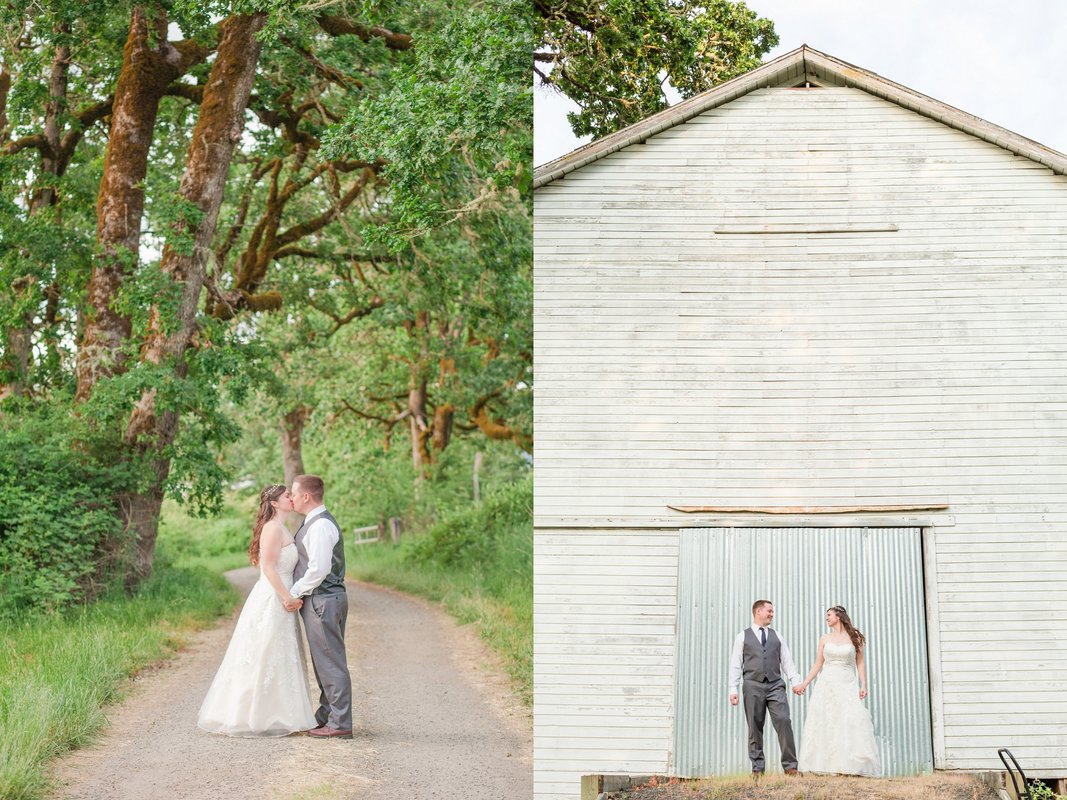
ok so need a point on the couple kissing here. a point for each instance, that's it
(261, 688)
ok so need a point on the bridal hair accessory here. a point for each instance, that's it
(271, 492)
(266, 513)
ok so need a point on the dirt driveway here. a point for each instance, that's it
(433, 719)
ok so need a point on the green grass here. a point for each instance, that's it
(58, 671)
(478, 563)
(217, 544)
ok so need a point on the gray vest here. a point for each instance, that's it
(334, 583)
(761, 664)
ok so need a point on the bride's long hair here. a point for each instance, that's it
(858, 639)
(265, 515)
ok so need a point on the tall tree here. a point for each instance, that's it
(459, 222)
(150, 64)
(153, 424)
(45, 112)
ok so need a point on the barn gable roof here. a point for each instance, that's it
(794, 69)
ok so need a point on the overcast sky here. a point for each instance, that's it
(1004, 62)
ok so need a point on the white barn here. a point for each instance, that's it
(803, 336)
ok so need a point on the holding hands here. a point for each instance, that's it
(292, 604)
(799, 690)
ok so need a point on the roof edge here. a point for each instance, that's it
(796, 64)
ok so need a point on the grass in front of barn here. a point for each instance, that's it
(58, 671)
(476, 562)
(815, 787)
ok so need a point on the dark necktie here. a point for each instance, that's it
(763, 637)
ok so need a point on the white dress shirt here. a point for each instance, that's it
(788, 668)
(319, 542)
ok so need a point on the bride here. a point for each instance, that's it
(261, 688)
(838, 735)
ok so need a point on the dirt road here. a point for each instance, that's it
(433, 719)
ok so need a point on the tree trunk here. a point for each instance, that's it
(420, 432)
(146, 72)
(218, 128)
(478, 458)
(292, 426)
(18, 348)
(5, 91)
(16, 363)
(45, 194)
(142, 510)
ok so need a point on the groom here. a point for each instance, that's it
(760, 656)
(320, 574)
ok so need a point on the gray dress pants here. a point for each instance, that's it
(324, 618)
(759, 699)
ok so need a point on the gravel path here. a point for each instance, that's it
(433, 719)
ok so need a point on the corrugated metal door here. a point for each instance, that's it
(876, 573)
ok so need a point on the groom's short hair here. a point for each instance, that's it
(755, 606)
(312, 484)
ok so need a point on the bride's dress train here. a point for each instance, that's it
(261, 688)
(838, 733)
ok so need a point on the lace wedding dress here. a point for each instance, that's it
(261, 688)
(838, 735)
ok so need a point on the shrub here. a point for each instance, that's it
(59, 520)
(1041, 791)
(473, 536)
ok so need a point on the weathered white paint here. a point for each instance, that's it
(604, 602)
(680, 366)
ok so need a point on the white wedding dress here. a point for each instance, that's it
(838, 735)
(261, 688)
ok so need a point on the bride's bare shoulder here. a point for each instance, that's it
(278, 528)
(273, 527)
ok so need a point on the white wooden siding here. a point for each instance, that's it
(605, 609)
(677, 366)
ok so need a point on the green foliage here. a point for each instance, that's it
(471, 537)
(615, 58)
(455, 127)
(207, 393)
(1042, 791)
(217, 543)
(61, 520)
(148, 290)
(45, 249)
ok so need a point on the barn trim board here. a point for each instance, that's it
(802, 67)
(808, 358)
